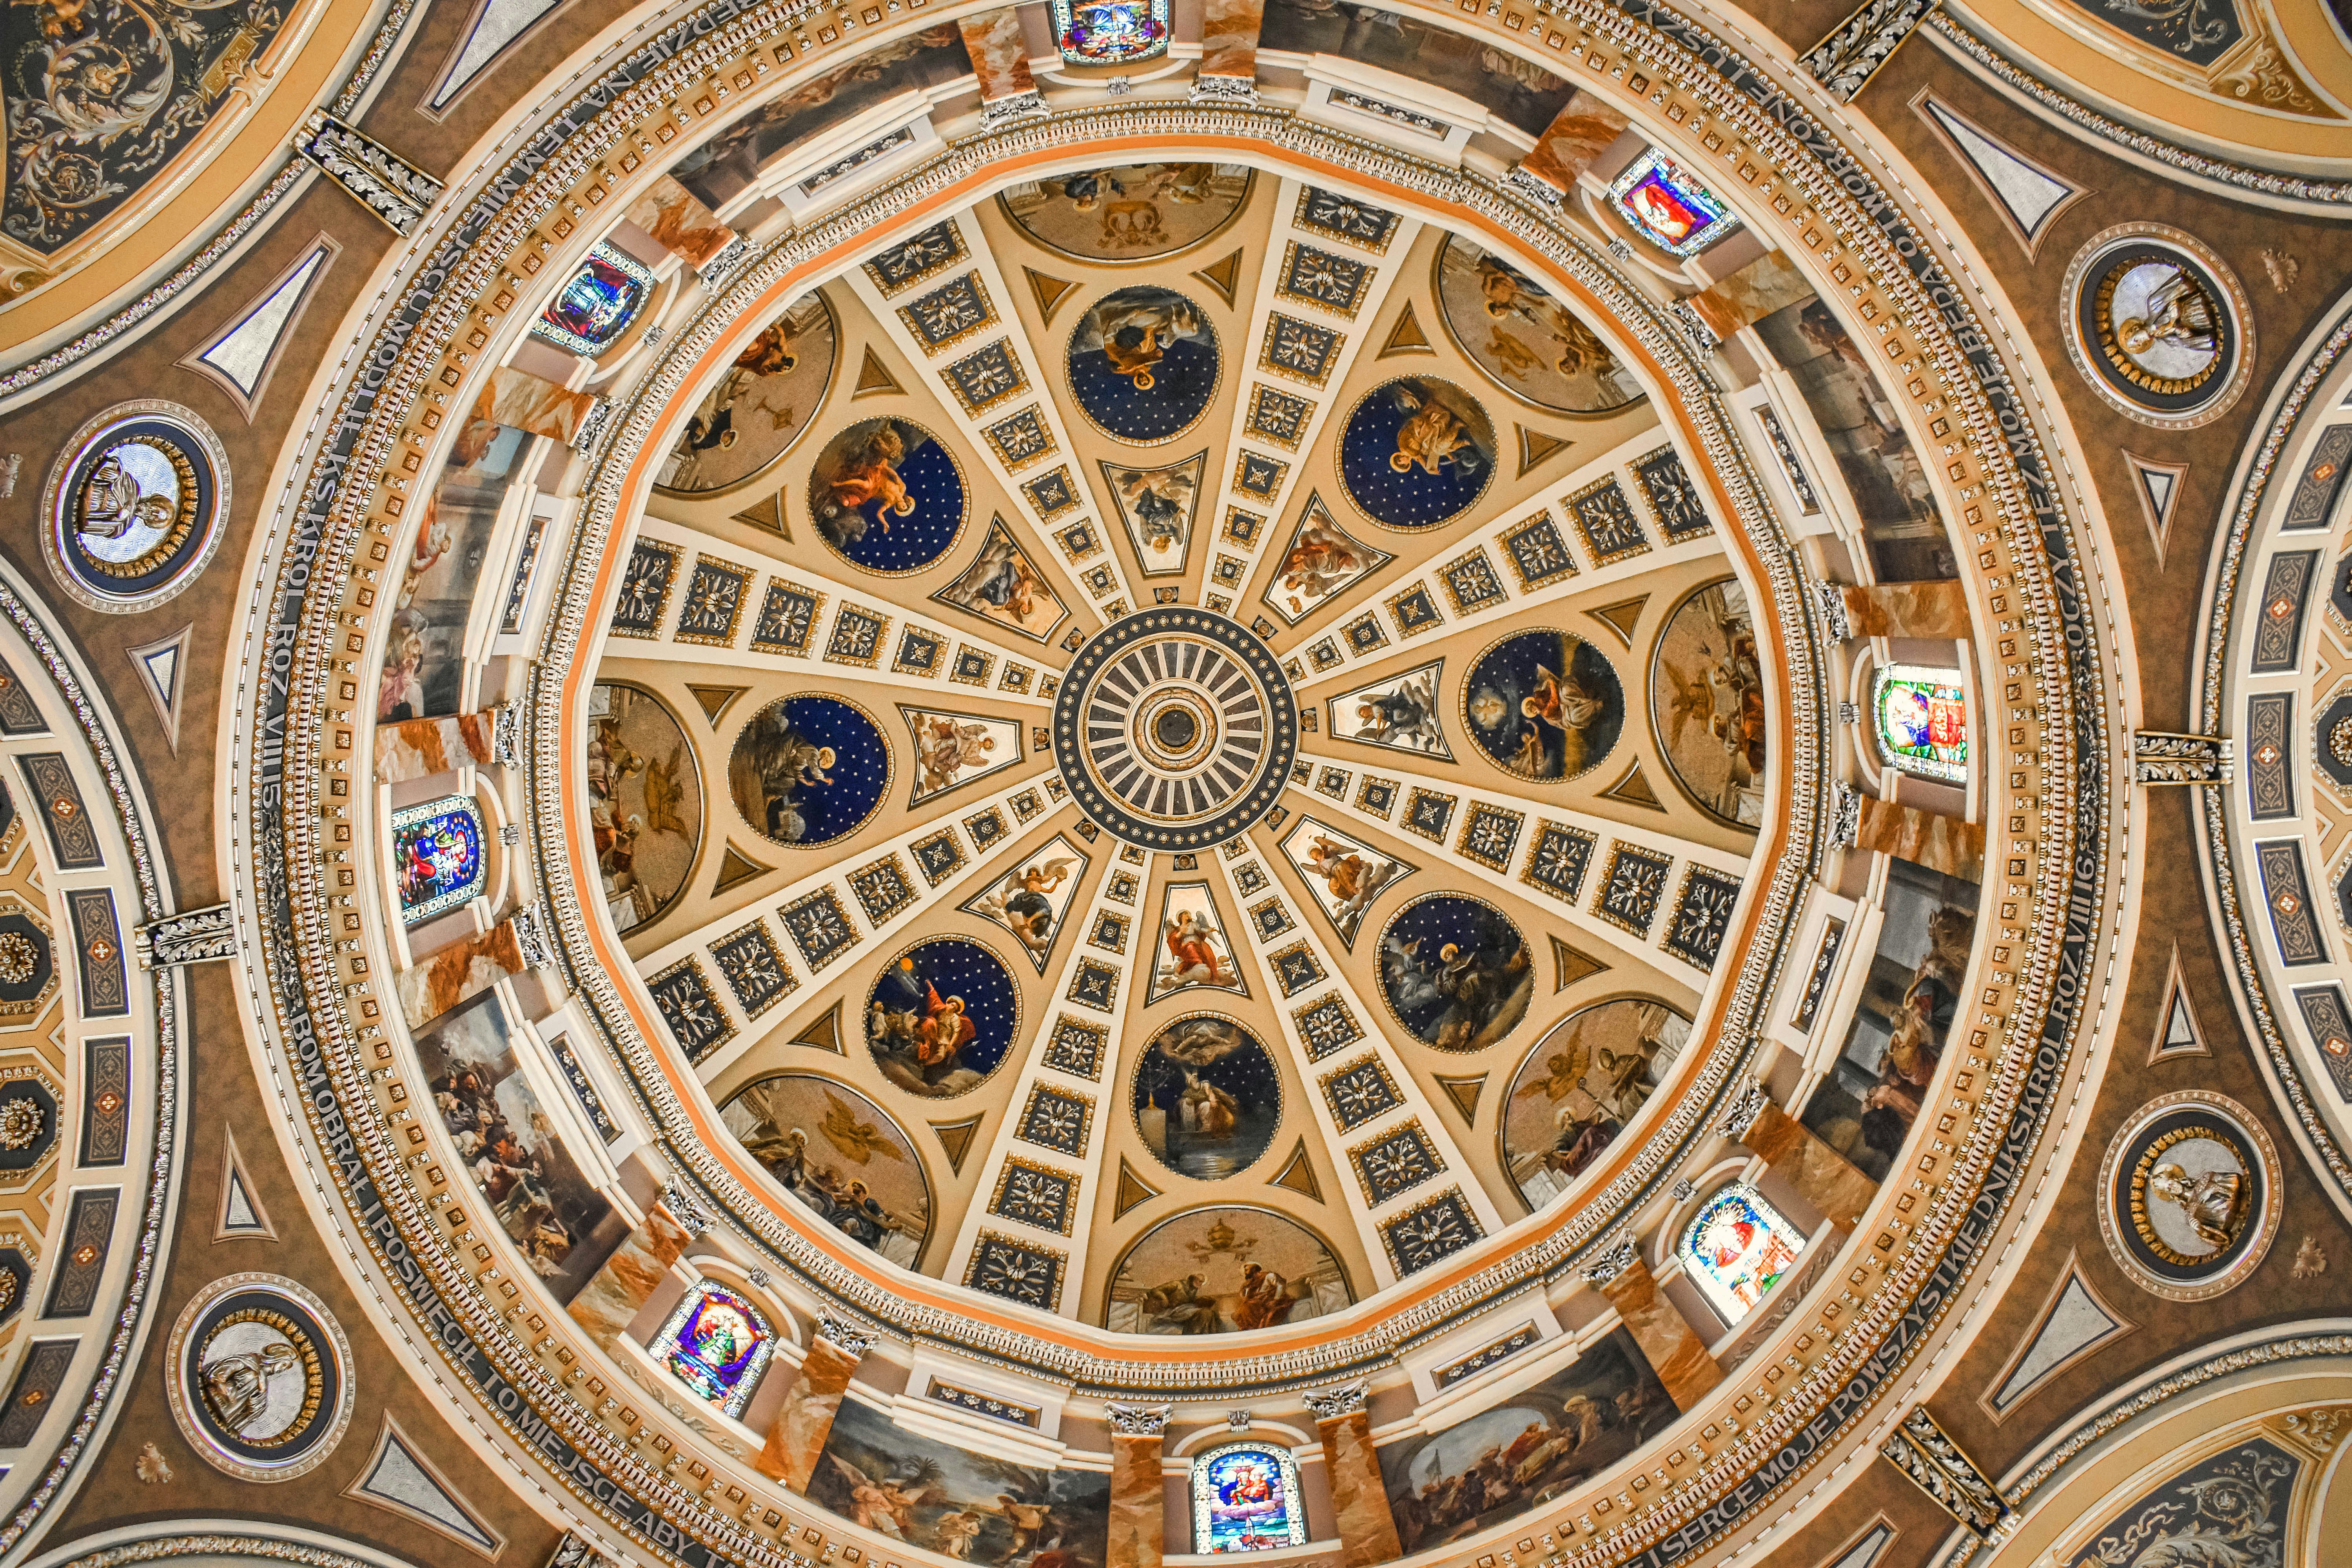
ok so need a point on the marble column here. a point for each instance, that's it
(1577, 135)
(464, 969)
(609, 1302)
(679, 222)
(1229, 44)
(1139, 1497)
(999, 55)
(1827, 1179)
(1906, 609)
(1669, 1342)
(1765, 285)
(805, 1418)
(419, 748)
(1943, 843)
(1359, 1504)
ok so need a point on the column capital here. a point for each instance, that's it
(1606, 1267)
(1740, 1116)
(1138, 1420)
(1331, 1404)
(845, 1335)
(689, 1217)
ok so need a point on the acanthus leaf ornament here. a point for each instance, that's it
(387, 184)
(1335, 1404)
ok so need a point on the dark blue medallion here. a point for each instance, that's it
(1144, 364)
(1543, 704)
(942, 1016)
(1418, 452)
(888, 495)
(808, 770)
(1455, 972)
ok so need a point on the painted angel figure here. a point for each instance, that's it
(1193, 959)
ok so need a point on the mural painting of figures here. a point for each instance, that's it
(1534, 347)
(564, 1227)
(1865, 1109)
(1193, 950)
(888, 495)
(1322, 559)
(1344, 874)
(942, 1015)
(971, 1507)
(1455, 970)
(1032, 899)
(1157, 505)
(1707, 701)
(1580, 1087)
(1544, 704)
(1519, 90)
(761, 404)
(645, 801)
(1144, 363)
(841, 1156)
(1224, 1271)
(1400, 712)
(1002, 586)
(808, 770)
(424, 657)
(1527, 1450)
(1882, 471)
(1129, 212)
(1207, 1097)
(954, 749)
(1417, 452)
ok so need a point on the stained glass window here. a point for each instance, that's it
(1110, 32)
(589, 314)
(437, 856)
(1245, 1498)
(1737, 1247)
(1672, 210)
(717, 1343)
(1922, 720)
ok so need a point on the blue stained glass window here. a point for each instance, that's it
(1922, 716)
(1671, 210)
(1110, 32)
(592, 310)
(717, 1343)
(1737, 1248)
(1245, 1498)
(437, 856)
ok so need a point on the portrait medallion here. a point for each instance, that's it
(2160, 327)
(2189, 1195)
(133, 506)
(260, 1381)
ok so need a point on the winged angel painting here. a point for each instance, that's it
(101, 94)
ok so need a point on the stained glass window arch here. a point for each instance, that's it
(718, 1345)
(1110, 32)
(438, 860)
(1736, 1247)
(1245, 1498)
(597, 304)
(1921, 715)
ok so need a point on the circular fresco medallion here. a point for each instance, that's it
(1129, 212)
(645, 801)
(760, 406)
(1706, 702)
(942, 1015)
(2160, 327)
(1206, 1097)
(1544, 705)
(1534, 347)
(1224, 1271)
(1144, 364)
(1175, 728)
(2189, 1195)
(1417, 452)
(1455, 972)
(260, 1377)
(841, 1155)
(808, 770)
(888, 495)
(133, 506)
(1580, 1087)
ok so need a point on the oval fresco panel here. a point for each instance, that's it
(1543, 704)
(1224, 1271)
(942, 1016)
(1206, 1097)
(888, 495)
(645, 801)
(1580, 1087)
(1144, 363)
(808, 770)
(1534, 347)
(1455, 972)
(1130, 212)
(841, 1155)
(1706, 701)
(760, 406)
(1417, 453)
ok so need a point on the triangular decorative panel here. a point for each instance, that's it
(1406, 337)
(1622, 617)
(1190, 950)
(1535, 446)
(1133, 1189)
(768, 517)
(1298, 1174)
(1050, 292)
(2176, 1034)
(1400, 712)
(824, 1032)
(874, 376)
(240, 357)
(497, 25)
(163, 673)
(956, 1137)
(401, 1480)
(2026, 191)
(1571, 964)
(1635, 789)
(1159, 507)
(951, 750)
(2073, 1322)
(1464, 1093)
(242, 1218)
(735, 869)
(1223, 276)
(1321, 561)
(715, 699)
(1033, 898)
(2157, 486)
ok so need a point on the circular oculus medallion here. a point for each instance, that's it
(133, 506)
(2159, 326)
(260, 1377)
(2189, 1195)
(1175, 728)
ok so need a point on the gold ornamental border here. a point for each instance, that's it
(327, 568)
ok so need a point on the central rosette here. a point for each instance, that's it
(1175, 727)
